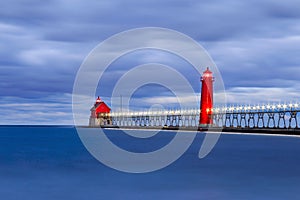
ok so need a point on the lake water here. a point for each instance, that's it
(51, 163)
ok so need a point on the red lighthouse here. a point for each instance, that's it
(206, 104)
(100, 114)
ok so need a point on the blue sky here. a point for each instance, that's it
(255, 44)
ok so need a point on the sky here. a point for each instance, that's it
(255, 44)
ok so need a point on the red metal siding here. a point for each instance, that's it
(102, 108)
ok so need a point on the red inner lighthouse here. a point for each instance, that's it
(206, 104)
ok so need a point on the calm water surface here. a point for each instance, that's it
(51, 163)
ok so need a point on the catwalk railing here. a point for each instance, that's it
(266, 116)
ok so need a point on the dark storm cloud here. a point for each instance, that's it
(254, 43)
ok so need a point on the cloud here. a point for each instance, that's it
(55, 109)
(257, 95)
(271, 62)
(255, 44)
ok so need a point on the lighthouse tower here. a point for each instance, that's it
(206, 104)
